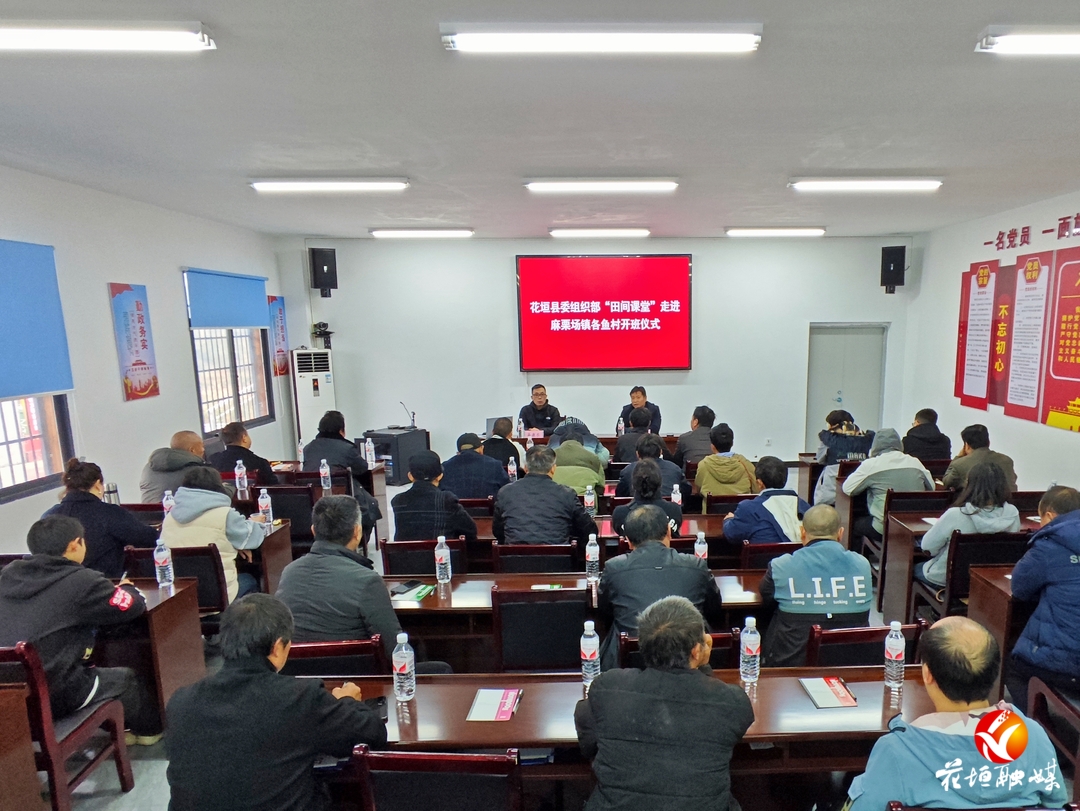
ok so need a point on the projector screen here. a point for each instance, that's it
(598, 313)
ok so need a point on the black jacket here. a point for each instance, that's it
(654, 409)
(546, 418)
(662, 739)
(57, 605)
(926, 443)
(503, 449)
(472, 475)
(424, 512)
(670, 475)
(626, 445)
(336, 450)
(246, 738)
(674, 514)
(225, 462)
(108, 529)
(537, 509)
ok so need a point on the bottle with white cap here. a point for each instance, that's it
(443, 572)
(511, 469)
(701, 547)
(750, 650)
(589, 500)
(676, 494)
(590, 654)
(404, 669)
(240, 473)
(895, 649)
(592, 559)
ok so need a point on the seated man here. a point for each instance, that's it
(724, 473)
(694, 445)
(167, 466)
(943, 760)
(424, 512)
(588, 440)
(470, 474)
(821, 584)
(843, 441)
(576, 465)
(1049, 572)
(888, 468)
(637, 426)
(537, 509)
(651, 570)
(976, 449)
(51, 601)
(650, 446)
(247, 738)
(663, 737)
(772, 517)
(238, 449)
(332, 445)
(647, 483)
(924, 439)
(540, 414)
(638, 399)
(500, 446)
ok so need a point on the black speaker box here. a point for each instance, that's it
(323, 268)
(892, 267)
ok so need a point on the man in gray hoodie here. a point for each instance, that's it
(166, 468)
(888, 468)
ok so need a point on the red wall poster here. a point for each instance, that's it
(1061, 395)
(973, 362)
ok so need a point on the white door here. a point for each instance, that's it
(846, 370)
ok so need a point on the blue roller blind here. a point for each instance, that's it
(34, 350)
(226, 300)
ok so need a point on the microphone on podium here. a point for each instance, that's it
(412, 414)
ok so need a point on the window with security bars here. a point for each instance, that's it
(232, 371)
(35, 441)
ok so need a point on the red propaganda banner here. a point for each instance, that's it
(1032, 285)
(1001, 336)
(1061, 388)
(973, 351)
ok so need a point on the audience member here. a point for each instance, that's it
(537, 509)
(588, 440)
(794, 584)
(52, 601)
(647, 482)
(238, 449)
(663, 737)
(724, 473)
(500, 446)
(108, 527)
(982, 507)
(637, 426)
(247, 738)
(772, 517)
(924, 439)
(976, 449)
(1049, 572)
(650, 446)
(843, 441)
(638, 399)
(694, 445)
(424, 512)
(167, 466)
(470, 474)
(540, 414)
(576, 466)
(943, 759)
(888, 468)
(203, 515)
(332, 445)
(651, 570)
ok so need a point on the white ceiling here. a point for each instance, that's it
(358, 87)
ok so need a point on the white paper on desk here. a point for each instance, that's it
(1034, 518)
(929, 519)
(493, 704)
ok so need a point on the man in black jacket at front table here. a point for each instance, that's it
(924, 439)
(246, 738)
(537, 509)
(238, 449)
(424, 512)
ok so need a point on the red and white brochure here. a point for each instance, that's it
(494, 704)
(829, 692)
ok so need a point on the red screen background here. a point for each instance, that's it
(604, 312)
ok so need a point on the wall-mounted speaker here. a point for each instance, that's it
(892, 267)
(324, 269)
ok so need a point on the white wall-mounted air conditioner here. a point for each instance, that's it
(313, 389)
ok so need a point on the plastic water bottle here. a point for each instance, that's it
(300, 453)
(590, 654)
(443, 572)
(404, 669)
(266, 507)
(324, 476)
(511, 469)
(620, 428)
(241, 477)
(369, 452)
(894, 657)
(676, 495)
(592, 559)
(529, 444)
(163, 564)
(520, 428)
(701, 547)
(750, 649)
(590, 500)
(167, 502)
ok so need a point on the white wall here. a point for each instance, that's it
(1042, 454)
(101, 238)
(435, 324)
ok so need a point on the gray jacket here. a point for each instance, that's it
(888, 468)
(969, 520)
(165, 471)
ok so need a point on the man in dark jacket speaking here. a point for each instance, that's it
(662, 737)
(537, 509)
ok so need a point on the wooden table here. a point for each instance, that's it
(991, 604)
(19, 786)
(275, 554)
(609, 441)
(711, 525)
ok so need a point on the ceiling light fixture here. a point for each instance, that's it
(318, 186)
(1029, 40)
(422, 233)
(104, 36)
(737, 39)
(601, 186)
(775, 232)
(859, 184)
(591, 233)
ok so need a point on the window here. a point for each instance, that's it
(35, 442)
(233, 377)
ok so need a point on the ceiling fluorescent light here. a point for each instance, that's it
(598, 232)
(601, 186)
(856, 184)
(602, 42)
(1030, 40)
(104, 36)
(315, 185)
(775, 232)
(422, 233)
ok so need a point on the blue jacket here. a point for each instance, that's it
(755, 519)
(1050, 573)
(472, 475)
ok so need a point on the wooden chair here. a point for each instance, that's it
(615, 469)
(966, 551)
(722, 505)
(536, 557)
(337, 660)
(725, 651)
(758, 555)
(478, 506)
(200, 562)
(339, 477)
(538, 630)
(151, 514)
(295, 502)
(418, 557)
(6, 559)
(851, 647)
(683, 545)
(1058, 713)
(691, 471)
(59, 739)
(403, 781)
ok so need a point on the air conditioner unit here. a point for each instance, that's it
(313, 390)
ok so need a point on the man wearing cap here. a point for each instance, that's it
(470, 474)
(424, 512)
